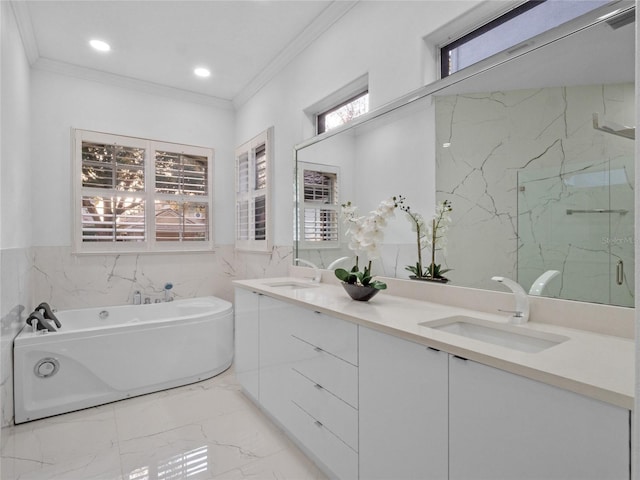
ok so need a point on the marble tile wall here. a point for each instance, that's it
(484, 140)
(16, 295)
(73, 281)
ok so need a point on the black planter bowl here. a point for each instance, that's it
(362, 293)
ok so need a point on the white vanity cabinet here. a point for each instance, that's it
(277, 357)
(403, 409)
(503, 426)
(247, 340)
(369, 405)
(308, 376)
(323, 393)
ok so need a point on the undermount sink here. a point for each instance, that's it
(289, 285)
(504, 335)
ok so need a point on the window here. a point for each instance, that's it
(319, 205)
(253, 160)
(137, 195)
(517, 25)
(343, 113)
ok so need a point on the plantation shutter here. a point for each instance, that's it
(112, 192)
(319, 209)
(182, 197)
(253, 161)
(138, 195)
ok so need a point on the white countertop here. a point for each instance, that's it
(596, 365)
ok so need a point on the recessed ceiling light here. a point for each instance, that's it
(202, 72)
(100, 45)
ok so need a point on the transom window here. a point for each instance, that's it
(136, 195)
(343, 113)
(518, 25)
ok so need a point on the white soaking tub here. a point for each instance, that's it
(100, 355)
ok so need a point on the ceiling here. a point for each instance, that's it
(159, 43)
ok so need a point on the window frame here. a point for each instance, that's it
(250, 196)
(304, 244)
(150, 244)
(321, 116)
(445, 50)
(444, 44)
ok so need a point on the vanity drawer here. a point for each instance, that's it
(335, 375)
(337, 416)
(325, 445)
(333, 335)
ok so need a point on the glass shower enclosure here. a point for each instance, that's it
(578, 220)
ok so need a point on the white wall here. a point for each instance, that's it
(61, 102)
(15, 202)
(383, 39)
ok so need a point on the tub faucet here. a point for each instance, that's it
(167, 294)
(47, 313)
(38, 322)
(521, 313)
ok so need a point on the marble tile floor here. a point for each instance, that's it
(208, 430)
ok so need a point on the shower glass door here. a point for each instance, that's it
(578, 221)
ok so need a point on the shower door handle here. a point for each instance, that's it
(620, 272)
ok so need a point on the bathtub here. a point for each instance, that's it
(105, 354)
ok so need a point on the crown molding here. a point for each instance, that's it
(336, 10)
(25, 27)
(84, 73)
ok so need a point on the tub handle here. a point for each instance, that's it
(40, 322)
(48, 313)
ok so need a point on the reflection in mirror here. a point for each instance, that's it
(387, 156)
(522, 151)
(536, 186)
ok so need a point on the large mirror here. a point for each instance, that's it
(535, 153)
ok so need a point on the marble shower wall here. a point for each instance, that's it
(580, 223)
(76, 281)
(484, 140)
(16, 299)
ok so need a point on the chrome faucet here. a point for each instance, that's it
(521, 313)
(317, 276)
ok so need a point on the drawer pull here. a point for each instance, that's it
(317, 312)
(318, 424)
(318, 349)
(318, 386)
(434, 349)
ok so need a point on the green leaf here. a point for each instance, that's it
(377, 284)
(345, 276)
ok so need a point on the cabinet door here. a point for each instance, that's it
(403, 409)
(247, 343)
(503, 426)
(277, 358)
